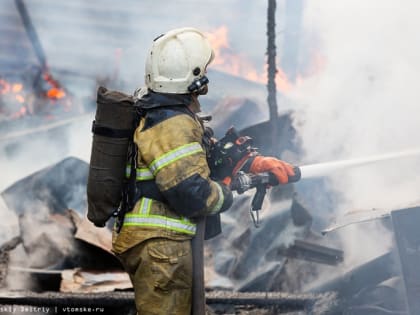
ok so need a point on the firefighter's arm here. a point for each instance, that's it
(178, 161)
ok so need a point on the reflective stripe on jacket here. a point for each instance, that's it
(170, 153)
(142, 217)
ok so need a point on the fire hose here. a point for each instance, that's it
(243, 182)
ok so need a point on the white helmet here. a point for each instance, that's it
(177, 62)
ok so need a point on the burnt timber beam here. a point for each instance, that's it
(315, 253)
(372, 272)
(286, 301)
(30, 30)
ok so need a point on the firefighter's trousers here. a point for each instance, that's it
(161, 272)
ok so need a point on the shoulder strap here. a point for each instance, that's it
(111, 132)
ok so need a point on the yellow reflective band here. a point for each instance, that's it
(182, 226)
(144, 174)
(141, 173)
(221, 200)
(143, 208)
(145, 205)
(174, 155)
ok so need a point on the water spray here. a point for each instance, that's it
(244, 182)
(323, 169)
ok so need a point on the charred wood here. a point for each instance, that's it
(287, 301)
(5, 257)
(372, 272)
(310, 252)
(272, 72)
(30, 30)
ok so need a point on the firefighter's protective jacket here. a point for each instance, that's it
(173, 180)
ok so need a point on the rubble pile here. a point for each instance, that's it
(55, 248)
(49, 246)
(57, 245)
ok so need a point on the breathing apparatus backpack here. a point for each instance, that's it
(112, 148)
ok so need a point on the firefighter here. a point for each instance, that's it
(173, 176)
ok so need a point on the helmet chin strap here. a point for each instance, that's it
(197, 88)
(195, 105)
(203, 90)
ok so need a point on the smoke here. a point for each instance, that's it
(33, 152)
(363, 102)
(86, 43)
(28, 144)
(9, 222)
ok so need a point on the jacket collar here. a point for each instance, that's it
(154, 100)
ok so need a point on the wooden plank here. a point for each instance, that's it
(120, 298)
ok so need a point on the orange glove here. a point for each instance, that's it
(280, 169)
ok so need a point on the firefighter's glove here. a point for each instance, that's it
(280, 169)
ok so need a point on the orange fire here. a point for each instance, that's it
(17, 87)
(236, 64)
(17, 101)
(13, 92)
(12, 88)
(56, 91)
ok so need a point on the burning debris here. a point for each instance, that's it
(59, 250)
(227, 61)
(65, 253)
(36, 92)
(43, 97)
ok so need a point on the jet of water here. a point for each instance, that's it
(323, 169)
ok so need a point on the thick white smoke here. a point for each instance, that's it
(33, 152)
(103, 39)
(362, 102)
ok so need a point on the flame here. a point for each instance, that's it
(13, 91)
(17, 87)
(55, 93)
(14, 96)
(6, 87)
(19, 101)
(218, 40)
(236, 64)
(226, 60)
